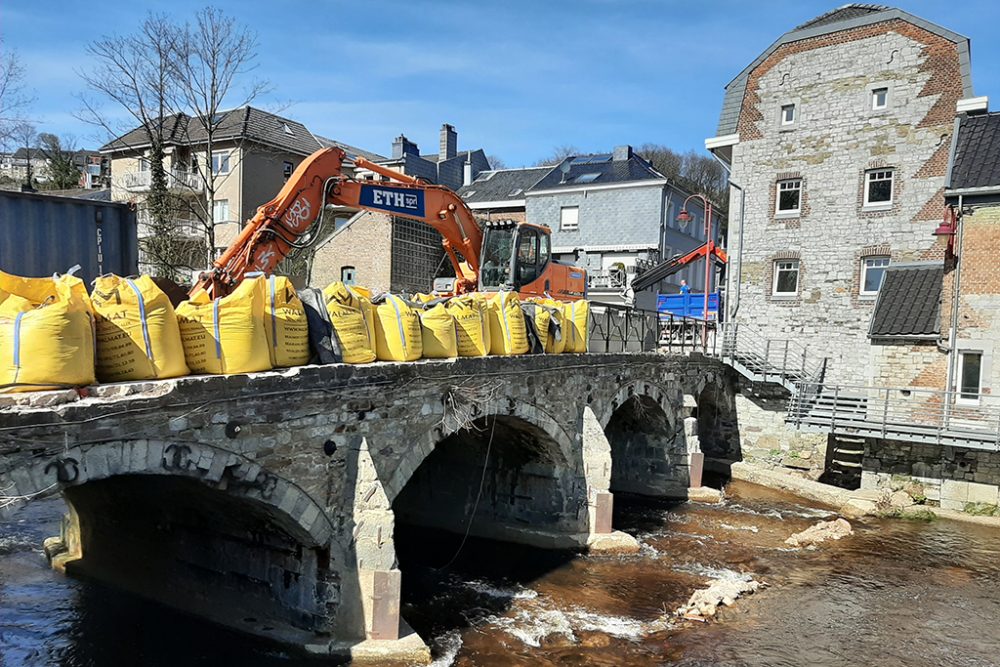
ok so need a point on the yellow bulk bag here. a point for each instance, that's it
(46, 333)
(353, 321)
(437, 326)
(137, 333)
(576, 322)
(226, 335)
(472, 326)
(507, 333)
(285, 324)
(555, 308)
(397, 331)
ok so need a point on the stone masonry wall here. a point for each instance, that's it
(837, 136)
(979, 301)
(366, 244)
(947, 476)
(325, 450)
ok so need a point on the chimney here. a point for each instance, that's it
(622, 153)
(402, 145)
(467, 172)
(449, 143)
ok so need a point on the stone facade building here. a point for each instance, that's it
(838, 135)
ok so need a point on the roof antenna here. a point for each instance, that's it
(564, 168)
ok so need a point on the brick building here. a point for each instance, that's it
(839, 136)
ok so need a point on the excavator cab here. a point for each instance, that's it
(518, 256)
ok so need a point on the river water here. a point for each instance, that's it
(895, 593)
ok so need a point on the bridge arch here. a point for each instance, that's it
(644, 425)
(508, 471)
(174, 520)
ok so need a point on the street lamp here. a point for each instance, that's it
(683, 218)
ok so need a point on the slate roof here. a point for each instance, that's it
(350, 150)
(597, 169)
(975, 162)
(246, 123)
(843, 18)
(844, 13)
(502, 184)
(909, 302)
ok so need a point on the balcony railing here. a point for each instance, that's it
(899, 413)
(607, 279)
(139, 181)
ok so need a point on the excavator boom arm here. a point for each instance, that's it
(280, 224)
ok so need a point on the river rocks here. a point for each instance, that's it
(821, 532)
(704, 603)
(900, 500)
(704, 494)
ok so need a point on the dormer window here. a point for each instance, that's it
(788, 114)
(287, 130)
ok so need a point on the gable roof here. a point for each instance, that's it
(843, 18)
(349, 149)
(245, 123)
(909, 302)
(597, 169)
(502, 184)
(975, 160)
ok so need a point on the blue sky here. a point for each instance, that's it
(515, 77)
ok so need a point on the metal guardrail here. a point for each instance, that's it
(899, 413)
(680, 334)
(617, 328)
(783, 361)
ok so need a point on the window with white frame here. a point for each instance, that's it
(220, 162)
(786, 277)
(787, 114)
(872, 273)
(569, 218)
(220, 210)
(970, 375)
(878, 187)
(789, 199)
(880, 98)
(347, 275)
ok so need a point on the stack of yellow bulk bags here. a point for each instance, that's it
(137, 333)
(437, 327)
(472, 326)
(46, 333)
(397, 330)
(353, 319)
(285, 324)
(226, 335)
(507, 332)
(576, 321)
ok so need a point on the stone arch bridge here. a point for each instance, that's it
(276, 494)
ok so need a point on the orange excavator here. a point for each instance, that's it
(514, 256)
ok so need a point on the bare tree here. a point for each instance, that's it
(559, 153)
(14, 98)
(215, 56)
(137, 72)
(496, 162)
(25, 136)
(60, 158)
(665, 160)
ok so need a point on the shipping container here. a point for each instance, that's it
(43, 234)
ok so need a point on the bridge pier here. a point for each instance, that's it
(279, 493)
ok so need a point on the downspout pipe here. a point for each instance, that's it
(955, 291)
(734, 304)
